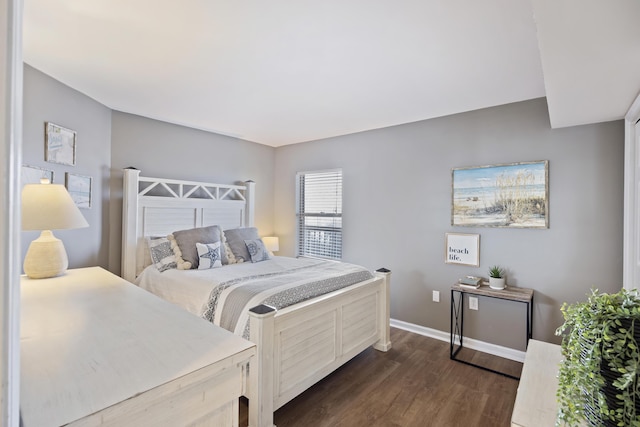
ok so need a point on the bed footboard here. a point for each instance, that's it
(299, 345)
(384, 343)
(260, 390)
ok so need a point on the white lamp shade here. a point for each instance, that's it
(272, 243)
(49, 207)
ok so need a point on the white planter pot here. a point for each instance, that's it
(495, 283)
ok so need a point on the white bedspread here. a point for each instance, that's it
(224, 295)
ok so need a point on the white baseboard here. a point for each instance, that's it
(496, 350)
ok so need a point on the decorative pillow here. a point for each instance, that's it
(161, 253)
(209, 255)
(224, 248)
(236, 237)
(231, 258)
(182, 264)
(257, 251)
(186, 243)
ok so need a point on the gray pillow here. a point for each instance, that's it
(236, 237)
(187, 239)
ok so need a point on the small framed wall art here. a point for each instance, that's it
(60, 144)
(79, 187)
(34, 175)
(463, 249)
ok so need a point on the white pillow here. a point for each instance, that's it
(209, 255)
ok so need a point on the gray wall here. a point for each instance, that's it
(397, 198)
(48, 100)
(397, 190)
(171, 151)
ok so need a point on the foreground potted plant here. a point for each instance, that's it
(598, 378)
(496, 277)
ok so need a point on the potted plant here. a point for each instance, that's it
(598, 378)
(496, 277)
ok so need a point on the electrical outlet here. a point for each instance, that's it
(473, 303)
(436, 296)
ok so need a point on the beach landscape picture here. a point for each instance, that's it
(512, 195)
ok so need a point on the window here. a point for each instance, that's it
(320, 214)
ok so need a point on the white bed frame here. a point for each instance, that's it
(296, 346)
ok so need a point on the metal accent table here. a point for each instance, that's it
(520, 295)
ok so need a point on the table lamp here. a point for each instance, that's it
(47, 207)
(272, 244)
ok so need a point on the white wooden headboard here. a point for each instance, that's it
(158, 207)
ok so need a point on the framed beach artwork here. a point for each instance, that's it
(79, 187)
(60, 144)
(513, 195)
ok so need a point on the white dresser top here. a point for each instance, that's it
(89, 340)
(535, 404)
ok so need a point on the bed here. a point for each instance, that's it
(298, 343)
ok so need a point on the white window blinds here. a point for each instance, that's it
(320, 214)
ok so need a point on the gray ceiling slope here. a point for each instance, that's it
(282, 72)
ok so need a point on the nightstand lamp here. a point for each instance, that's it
(272, 244)
(47, 207)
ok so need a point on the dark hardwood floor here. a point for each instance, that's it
(413, 384)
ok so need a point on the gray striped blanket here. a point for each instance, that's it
(230, 301)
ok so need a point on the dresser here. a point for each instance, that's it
(97, 350)
(536, 404)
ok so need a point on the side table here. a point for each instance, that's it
(520, 295)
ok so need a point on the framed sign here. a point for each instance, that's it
(60, 144)
(513, 195)
(463, 249)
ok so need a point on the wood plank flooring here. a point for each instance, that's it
(413, 384)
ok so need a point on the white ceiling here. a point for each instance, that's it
(280, 72)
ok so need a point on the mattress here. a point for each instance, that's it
(224, 295)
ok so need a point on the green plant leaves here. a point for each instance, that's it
(598, 341)
(496, 272)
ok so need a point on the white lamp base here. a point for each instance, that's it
(46, 257)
